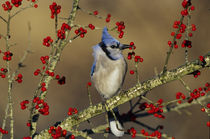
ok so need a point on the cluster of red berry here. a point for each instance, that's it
(7, 6)
(108, 18)
(199, 92)
(196, 73)
(61, 32)
(55, 9)
(182, 27)
(44, 59)
(186, 4)
(138, 59)
(186, 43)
(41, 105)
(57, 132)
(61, 80)
(156, 110)
(72, 111)
(132, 131)
(7, 56)
(19, 78)
(43, 88)
(47, 41)
(153, 134)
(120, 27)
(201, 58)
(207, 107)
(3, 131)
(80, 31)
(3, 72)
(23, 104)
(91, 26)
(37, 72)
(132, 54)
(180, 95)
(16, 3)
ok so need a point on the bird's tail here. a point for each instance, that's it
(116, 125)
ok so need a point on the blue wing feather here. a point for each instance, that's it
(93, 68)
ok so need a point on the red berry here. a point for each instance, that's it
(192, 8)
(172, 33)
(203, 109)
(43, 89)
(190, 34)
(131, 72)
(208, 105)
(89, 84)
(131, 43)
(107, 19)
(28, 124)
(208, 123)
(95, 12)
(72, 137)
(35, 5)
(57, 77)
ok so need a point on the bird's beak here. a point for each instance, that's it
(124, 46)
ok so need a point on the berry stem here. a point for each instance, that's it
(185, 85)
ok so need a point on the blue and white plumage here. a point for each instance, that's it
(108, 73)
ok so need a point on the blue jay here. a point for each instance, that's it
(108, 74)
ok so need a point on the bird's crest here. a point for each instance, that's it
(107, 38)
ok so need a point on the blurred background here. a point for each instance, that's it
(148, 25)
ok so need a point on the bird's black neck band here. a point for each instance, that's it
(104, 48)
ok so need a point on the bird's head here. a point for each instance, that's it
(111, 46)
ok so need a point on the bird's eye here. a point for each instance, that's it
(112, 46)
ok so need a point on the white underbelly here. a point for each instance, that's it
(108, 84)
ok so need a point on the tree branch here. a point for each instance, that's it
(53, 60)
(133, 92)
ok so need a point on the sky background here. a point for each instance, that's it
(148, 25)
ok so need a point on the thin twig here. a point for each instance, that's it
(172, 46)
(91, 13)
(22, 9)
(56, 25)
(89, 96)
(148, 100)
(3, 19)
(185, 85)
